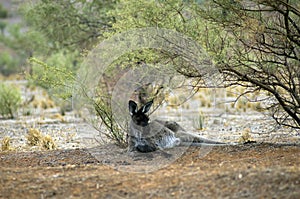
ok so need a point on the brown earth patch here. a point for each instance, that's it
(245, 171)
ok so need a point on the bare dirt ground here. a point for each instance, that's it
(244, 171)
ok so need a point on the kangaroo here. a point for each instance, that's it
(145, 136)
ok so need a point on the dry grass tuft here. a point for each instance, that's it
(48, 143)
(36, 138)
(5, 144)
(246, 137)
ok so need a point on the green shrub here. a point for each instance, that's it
(115, 133)
(3, 12)
(10, 100)
(2, 26)
(8, 64)
(56, 73)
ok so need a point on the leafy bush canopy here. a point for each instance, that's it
(3, 12)
(254, 44)
(10, 100)
(8, 63)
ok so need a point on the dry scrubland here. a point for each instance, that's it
(50, 154)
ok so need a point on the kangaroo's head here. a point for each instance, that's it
(139, 116)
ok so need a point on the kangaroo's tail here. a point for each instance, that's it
(206, 144)
(196, 140)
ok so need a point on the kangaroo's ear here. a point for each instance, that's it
(147, 107)
(132, 107)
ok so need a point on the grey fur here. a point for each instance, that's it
(145, 136)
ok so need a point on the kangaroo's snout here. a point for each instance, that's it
(140, 120)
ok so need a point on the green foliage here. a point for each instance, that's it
(115, 133)
(2, 26)
(173, 14)
(140, 13)
(24, 43)
(8, 63)
(3, 12)
(18, 46)
(57, 74)
(252, 43)
(235, 37)
(71, 24)
(10, 100)
(67, 26)
(256, 48)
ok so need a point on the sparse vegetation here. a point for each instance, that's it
(5, 144)
(9, 63)
(198, 122)
(254, 44)
(114, 131)
(246, 136)
(48, 143)
(10, 100)
(36, 138)
(3, 12)
(245, 42)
